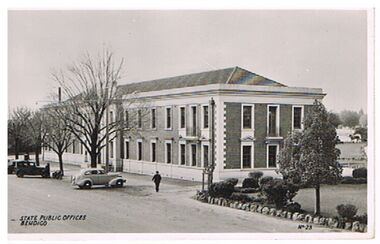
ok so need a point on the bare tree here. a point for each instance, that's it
(35, 133)
(57, 136)
(17, 129)
(89, 87)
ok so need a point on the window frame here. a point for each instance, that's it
(168, 142)
(126, 149)
(193, 145)
(138, 150)
(277, 152)
(203, 153)
(245, 144)
(252, 116)
(302, 116)
(153, 118)
(203, 121)
(166, 117)
(180, 118)
(155, 151)
(277, 120)
(180, 144)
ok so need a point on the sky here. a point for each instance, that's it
(303, 48)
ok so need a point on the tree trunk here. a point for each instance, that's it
(37, 157)
(60, 160)
(16, 149)
(93, 156)
(317, 210)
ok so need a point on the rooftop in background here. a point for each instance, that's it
(234, 75)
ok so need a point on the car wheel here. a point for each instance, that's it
(20, 174)
(87, 185)
(119, 183)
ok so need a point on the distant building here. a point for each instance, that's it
(253, 115)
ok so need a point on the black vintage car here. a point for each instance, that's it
(28, 167)
(11, 166)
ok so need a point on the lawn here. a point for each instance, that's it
(333, 195)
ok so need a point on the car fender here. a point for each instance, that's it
(114, 180)
(82, 181)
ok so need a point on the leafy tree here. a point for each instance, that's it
(310, 157)
(334, 119)
(350, 118)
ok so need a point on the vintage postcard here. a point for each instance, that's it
(187, 124)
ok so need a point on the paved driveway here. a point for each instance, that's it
(135, 208)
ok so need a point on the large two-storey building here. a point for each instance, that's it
(252, 115)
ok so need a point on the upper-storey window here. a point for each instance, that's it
(205, 117)
(126, 119)
(297, 117)
(194, 120)
(247, 117)
(139, 119)
(153, 118)
(273, 120)
(182, 117)
(168, 118)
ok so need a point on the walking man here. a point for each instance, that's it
(157, 179)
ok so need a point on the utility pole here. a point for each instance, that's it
(212, 143)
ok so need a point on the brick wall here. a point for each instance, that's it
(233, 135)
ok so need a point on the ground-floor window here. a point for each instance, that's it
(153, 151)
(111, 149)
(126, 152)
(139, 150)
(247, 156)
(193, 155)
(205, 155)
(168, 152)
(272, 156)
(182, 153)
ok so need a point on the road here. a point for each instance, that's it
(135, 208)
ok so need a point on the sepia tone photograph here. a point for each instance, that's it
(190, 121)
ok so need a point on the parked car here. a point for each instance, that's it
(28, 167)
(93, 176)
(11, 166)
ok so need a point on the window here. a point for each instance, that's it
(111, 149)
(126, 152)
(81, 148)
(247, 117)
(205, 117)
(168, 118)
(74, 142)
(273, 122)
(139, 121)
(205, 155)
(247, 156)
(193, 155)
(168, 152)
(111, 117)
(126, 119)
(139, 150)
(194, 120)
(297, 117)
(182, 117)
(153, 119)
(182, 159)
(272, 156)
(153, 151)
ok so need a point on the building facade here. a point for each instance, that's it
(252, 116)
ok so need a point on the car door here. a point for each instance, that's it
(94, 177)
(102, 177)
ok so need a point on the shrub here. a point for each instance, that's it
(250, 183)
(359, 173)
(232, 181)
(221, 189)
(255, 175)
(361, 218)
(265, 179)
(351, 180)
(241, 197)
(293, 207)
(279, 192)
(249, 190)
(347, 211)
